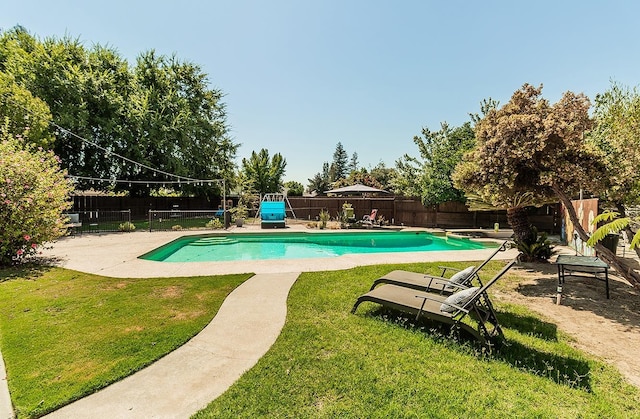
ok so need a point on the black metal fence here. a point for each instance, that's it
(183, 220)
(100, 221)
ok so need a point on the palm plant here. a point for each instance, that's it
(614, 224)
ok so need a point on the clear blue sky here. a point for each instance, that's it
(301, 76)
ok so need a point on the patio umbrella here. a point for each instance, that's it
(356, 189)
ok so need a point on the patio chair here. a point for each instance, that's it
(73, 224)
(449, 311)
(439, 284)
(371, 218)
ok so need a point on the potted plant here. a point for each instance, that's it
(239, 213)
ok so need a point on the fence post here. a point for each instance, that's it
(149, 221)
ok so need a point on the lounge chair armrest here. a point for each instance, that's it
(425, 298)
(448, 268)
(438, 280)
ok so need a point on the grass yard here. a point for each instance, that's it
(329, 363)
(65, 334)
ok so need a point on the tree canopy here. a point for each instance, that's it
(320, 183)
(429, 176)
(294, 188)
(159, 112)
(617, 136)
(339, 168)
(526, 152)
(265, 173)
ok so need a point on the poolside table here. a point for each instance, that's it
(581, 266)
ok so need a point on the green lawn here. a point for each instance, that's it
(328, 363)
(65, 334)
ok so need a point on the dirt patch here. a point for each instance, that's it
(171, 292)
(133, 329)
(180, 315)
(608, 329)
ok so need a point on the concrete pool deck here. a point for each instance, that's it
(116, 255)
(186, 380)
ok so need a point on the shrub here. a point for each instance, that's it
(127, 226)
(215, 224)
(176, 227)
(324, 217)
(34, 193)
(538, 249)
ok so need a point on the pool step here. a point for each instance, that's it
(208, 241)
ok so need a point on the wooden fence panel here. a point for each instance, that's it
(396, 210)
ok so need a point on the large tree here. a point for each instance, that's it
(617, 135)
(339, 168)
(429, 176)
(320, 183)
(160, 112)
(264, 172)
(530, 152)
(22, 114)
(180, 123)
(518, 146)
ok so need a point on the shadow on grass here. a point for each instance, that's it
(529, 325)
(31, 270)
(560, 369)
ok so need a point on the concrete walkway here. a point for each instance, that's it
(188, 379)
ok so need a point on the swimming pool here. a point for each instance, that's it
(301, 245)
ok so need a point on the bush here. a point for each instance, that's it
(127, 226)
(176, 227)
(538, 249)
(34, 194)
(324, 218)
(215, 224)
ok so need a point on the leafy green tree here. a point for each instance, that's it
(430, 175)
(159, 112)
(22, 114)
(353, 163)
(33, 194)
(617, 136)
(294, 188)
(264, 172)
(320, 183)
(529, 152)
(378, 177)
(339, 167)
(180, 123)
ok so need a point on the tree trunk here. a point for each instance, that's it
(605, 254)
(519, 222)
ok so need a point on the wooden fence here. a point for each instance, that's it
(396, 210)
(411, 212)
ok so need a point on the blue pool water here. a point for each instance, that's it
(300, 245)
